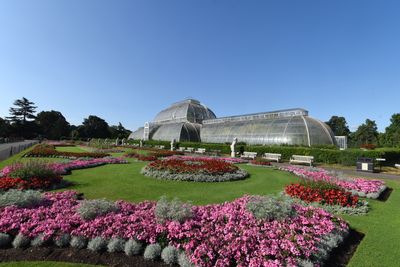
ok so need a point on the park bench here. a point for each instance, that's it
(272, 156)
(302, 159)
(182, 148)
(200, 151)
(189, 149)
(397, 166)
(160, 147)
(249, 155)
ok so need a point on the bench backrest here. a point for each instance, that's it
(249, 153)
(201, 150)
(272, 155)
(301, 157)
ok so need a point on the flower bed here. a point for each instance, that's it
(151, 154)
(194, 169)
(49, 151)
(229, 160)
(29, 175)
(45, 175)
(357, 186)
(227, 234)
(260, 162)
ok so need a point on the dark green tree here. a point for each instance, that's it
(367, 133)
(119, 131)
(53, 124)
(21, 117)
(94, 127)
(391, 137)
(4, 128)
(23, 110)
(338, 125)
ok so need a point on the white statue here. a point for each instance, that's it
(172, 144)
(233, 154)
(117, 141)
(141, 143)
(123, 141)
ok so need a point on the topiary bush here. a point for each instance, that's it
(170, 255)
(132, 247)
(97, 244)
(152, 252)
(116, 245)
(21, 199)
(271, 207)
(78, 242)
(21, 241)
(90, 209)
(5, 240)
(174, 210)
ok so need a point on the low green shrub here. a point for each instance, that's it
(21, 241)
(97, 244)
(170, 255)
(116, 245)
(78, 242)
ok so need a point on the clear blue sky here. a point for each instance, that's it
(126, 60)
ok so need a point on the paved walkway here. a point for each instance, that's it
(355, 173)
(9, 149)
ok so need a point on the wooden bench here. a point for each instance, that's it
(181, 148)
(200, 151)
(189, 149)
(272, 156)
(397, 166)
(302, 159)
(249, 155)
(160, 147)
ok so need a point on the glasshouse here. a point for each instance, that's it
(189, 120)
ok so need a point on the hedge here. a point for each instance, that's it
(323, 154)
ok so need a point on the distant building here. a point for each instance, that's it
(189, 120)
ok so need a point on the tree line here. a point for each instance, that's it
(367, 133)
(24, 122)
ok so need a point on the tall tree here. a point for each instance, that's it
(4, 128)
(53, 124)
(94, 127)
(119, 131)
(367, 133)
(21, 117)
(23, 110)
(338, 125)
(391, 137)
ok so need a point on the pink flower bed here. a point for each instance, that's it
(358, 186)
(229, 160)
(63, 168)
(217, 235)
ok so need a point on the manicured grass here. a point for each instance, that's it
(70, 149)
(380, 246)
(125, 182)
(43, 264)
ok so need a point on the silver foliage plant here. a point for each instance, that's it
(97, 244)
(116, 245)
(5, 240)
(62, 241)
(183, 260)
(21, 241)
(78, 242)
(152, 252)
(132, 247)
(21, 199)
(195, 177)
(90, 209)
(271, 207)
(170, 255)
(172, 210)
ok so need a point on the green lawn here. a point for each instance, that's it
(70, 149)
(380, 246)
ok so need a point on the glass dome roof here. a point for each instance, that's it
(189, 110)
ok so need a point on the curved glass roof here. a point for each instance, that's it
(189, 110)
(181, 132)
(292, 130)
